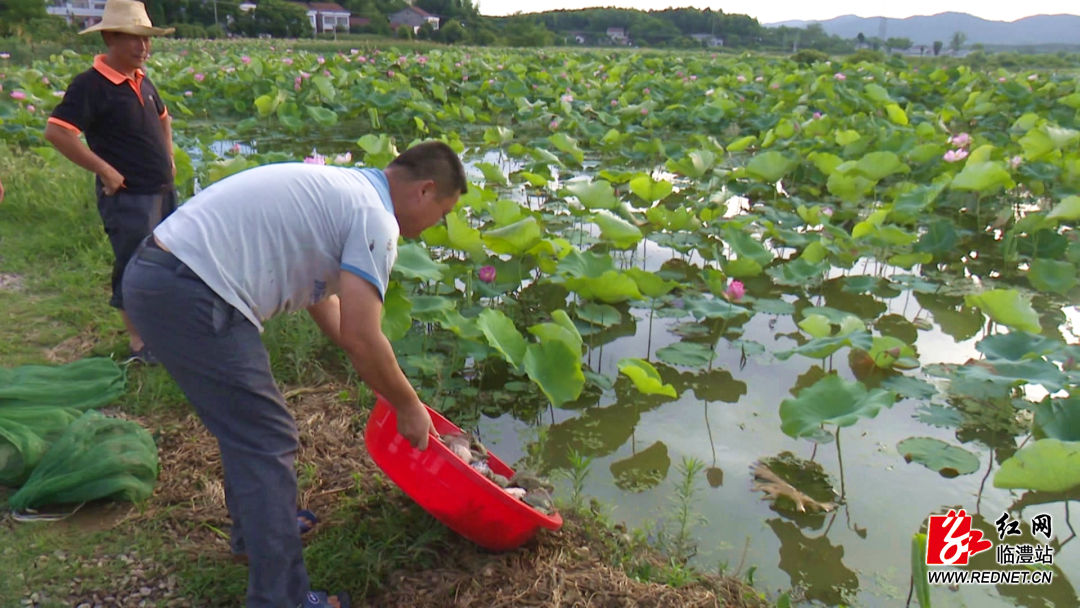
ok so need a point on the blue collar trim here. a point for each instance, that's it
(378, 179)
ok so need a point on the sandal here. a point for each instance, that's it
(307, 520)
(319, 599)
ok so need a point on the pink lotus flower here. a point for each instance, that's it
(422, 60)
(187, 93)
(191, 70)
(840, 76)
(236, 148)
(554, 124)
(678, 74)
(774, 86)
(230, 70)
(1002, 79)
(245, 59)
(759, 79)
(644, 111)
(341, 159)
(363, 59)
(326, 73)
(457, 65)
(735, 291)
(827, 212)
(18, 95)
(568, 98)
(1033, 77)
(487, 274)
(817, 115)
(390, 73)
(693, 78)
(44, 80)
(287, 61)
(646, 91)
(1015, 161)
(321, 60)
(315, 159)
(961, 140)
(953, 156)
(354, 51)
(614, 102)
(199, 77)
(30, 108)
(465, 78)
(500, 66)
(740, 78)
(304, 75)
(5, 55)
(491, 81)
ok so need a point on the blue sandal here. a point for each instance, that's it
(319, 599)
(306, 526)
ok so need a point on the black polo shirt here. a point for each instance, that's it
(121, 118)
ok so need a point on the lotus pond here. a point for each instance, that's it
(842, 295)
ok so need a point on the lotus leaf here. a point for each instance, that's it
(831, 400)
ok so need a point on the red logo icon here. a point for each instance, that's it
(950, 540)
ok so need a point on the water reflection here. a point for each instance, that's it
(814, 564)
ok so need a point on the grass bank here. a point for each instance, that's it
(173, 550)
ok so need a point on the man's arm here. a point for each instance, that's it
(327, 315)
(166, 126)
(373, 357)
(67, 142)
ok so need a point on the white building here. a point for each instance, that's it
(82, 12)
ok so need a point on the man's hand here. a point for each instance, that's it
(414, 424)
(111, 179)
(173, 160)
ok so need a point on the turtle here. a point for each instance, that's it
(540, 500)
(458, 443)
(530, 481)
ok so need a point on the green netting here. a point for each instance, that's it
(96, 457)
(82, 385)
(26, 432)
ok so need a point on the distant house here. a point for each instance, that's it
(708, 39)
(83, 13)
(328, 17)
(358, 22)
(413, 17)
(617, 34)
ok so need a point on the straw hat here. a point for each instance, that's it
(128, 17)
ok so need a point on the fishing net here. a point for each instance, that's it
(39, 402)
(26, 433)
(97, 457)
(82, 385)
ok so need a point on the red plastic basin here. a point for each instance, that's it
(450, 490)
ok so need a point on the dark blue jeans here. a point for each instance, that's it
(128, 219)
(217, 357)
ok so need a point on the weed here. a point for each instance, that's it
(580, 467)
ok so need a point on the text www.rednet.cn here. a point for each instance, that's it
(990, 577)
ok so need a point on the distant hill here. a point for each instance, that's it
(1036, 30)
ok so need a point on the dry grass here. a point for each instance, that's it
(570, 567)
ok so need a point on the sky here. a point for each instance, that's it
(772, 11)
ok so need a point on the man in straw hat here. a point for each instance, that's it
(128, 140)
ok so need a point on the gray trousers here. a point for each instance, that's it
(217, 357)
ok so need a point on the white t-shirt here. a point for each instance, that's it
(274, 239)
